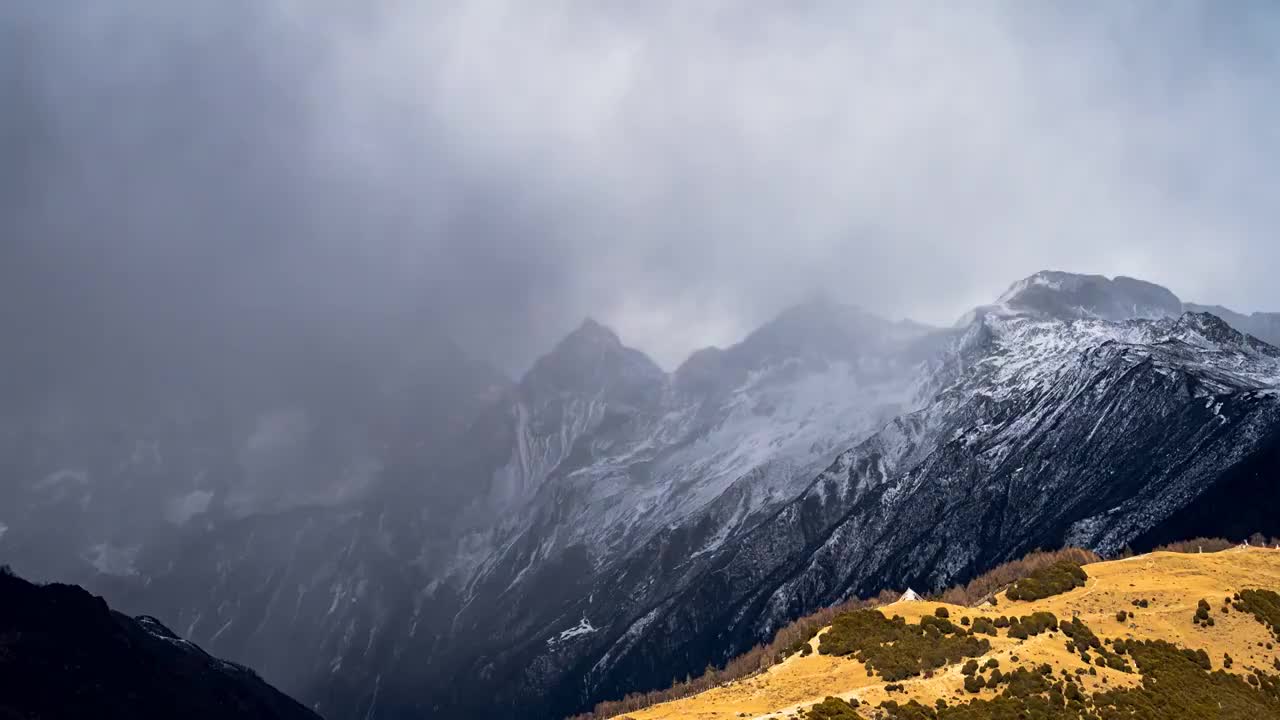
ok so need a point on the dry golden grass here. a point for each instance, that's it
(1172, 583)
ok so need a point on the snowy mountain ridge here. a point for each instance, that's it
(602, 525)
(1087, 431)
(610, 465)
(1015, 373)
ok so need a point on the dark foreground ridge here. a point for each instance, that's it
(65, 654)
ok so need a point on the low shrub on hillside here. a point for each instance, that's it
(1083, 640)
(983, 587)
(1080, 634)
(1032, 625)
(984, 626)
(1264, 605)
(895, 649)
(1176, 685)
(1202, 613)
(1054, 579)
(833, 708)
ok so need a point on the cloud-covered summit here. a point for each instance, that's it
(265, 176)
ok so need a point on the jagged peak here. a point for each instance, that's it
(1262, 325)
(588, 338)
(591, 330)
(592, 356)
(1204, 328)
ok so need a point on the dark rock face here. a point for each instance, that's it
(65, 654)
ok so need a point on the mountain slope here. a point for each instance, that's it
(65, 654)
(1083, 431)
(1161, 590)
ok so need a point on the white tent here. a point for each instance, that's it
(910, 596)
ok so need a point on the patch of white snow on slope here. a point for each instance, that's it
(584, 627)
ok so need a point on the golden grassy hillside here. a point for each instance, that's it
(1158, 594)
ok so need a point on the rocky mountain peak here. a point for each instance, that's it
(1064, 295)
(1209, 330)
(592, 331)
(1262, 325)
(1057, 295)
(590, 359)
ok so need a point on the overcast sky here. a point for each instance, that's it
(680, 170)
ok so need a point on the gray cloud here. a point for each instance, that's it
(183, 177)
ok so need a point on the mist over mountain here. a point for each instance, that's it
(254, 182)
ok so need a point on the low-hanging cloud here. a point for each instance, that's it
(183, 176)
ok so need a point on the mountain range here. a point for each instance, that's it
(420, 536)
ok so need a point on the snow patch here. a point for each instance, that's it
(584, 627)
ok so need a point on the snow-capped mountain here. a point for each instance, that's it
(608, 449)
(1051, 420)
(1050, 423)
(1062, 295)
(602, 526)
